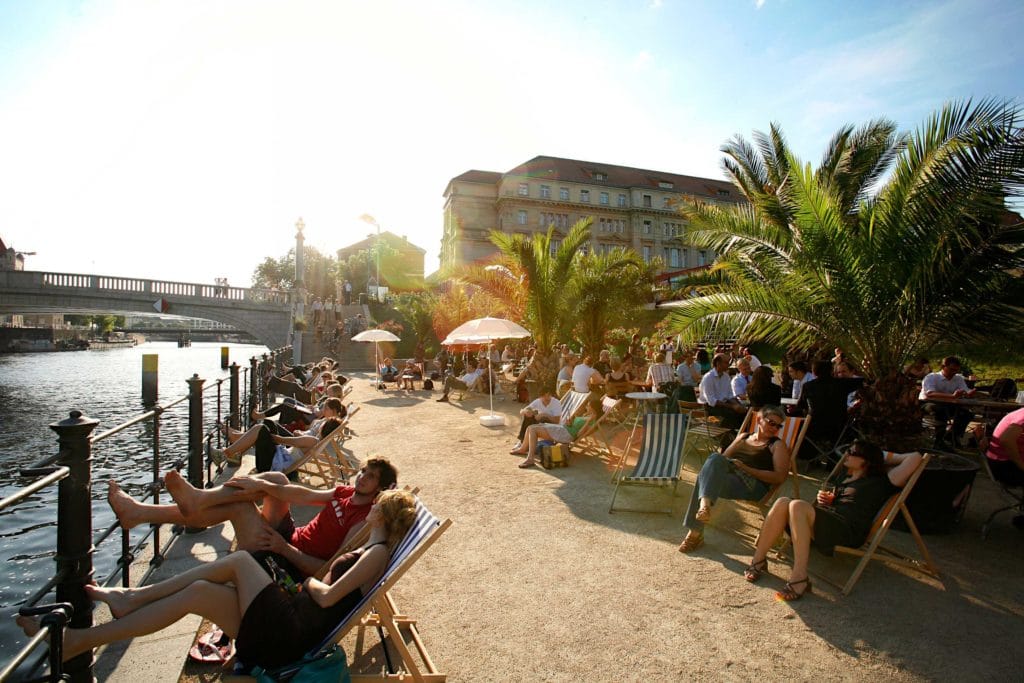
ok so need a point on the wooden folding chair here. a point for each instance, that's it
(703, 432)
(327, 460)
(613, 412)
(660, 457)
(873, 548)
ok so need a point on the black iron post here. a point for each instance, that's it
(233, 417)
(195, 431)
(254, 402)
(264, 388)
(74, 529)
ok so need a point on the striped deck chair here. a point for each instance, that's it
(660, 455)
(572, 405)
(326, 459)
(613, 415)
(873, 548)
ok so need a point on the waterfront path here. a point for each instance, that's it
(535, 581)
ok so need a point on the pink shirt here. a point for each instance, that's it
(995, 448)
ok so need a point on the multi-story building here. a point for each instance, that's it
(407, 268)
(630, 207)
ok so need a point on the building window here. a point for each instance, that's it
(673, 257)
(554, 245)
(600, 176)
(647, 201)
(622, 200)
(702, 258)
(604, 198)
(585, 196)
(647, 227)
(666, 203)
(522, 218)
(647, 254)
(524, 190)
(665, 185)
(723, 193)
(683, 257)
(545, 192)
(563, 194)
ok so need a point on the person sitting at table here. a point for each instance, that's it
(749, 467)
(716, 394)
(742, 379)
(841, 518)
(659, 372)
(506, 354)
(546, 408)
(410, 373)
(388, 371)
(603, 364)
(618, 382)
(947, 385)
(564, 379)
(761, 391)
(919, 369)
(585, 378)
(465, 383)
(801, 374)
(824, 399)
(558, 432)
(753, 360)
(703, 361)
(1005, 450)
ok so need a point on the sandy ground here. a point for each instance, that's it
(536, 581)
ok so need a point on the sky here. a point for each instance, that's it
(182, 140)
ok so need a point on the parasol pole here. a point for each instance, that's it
(490, 386)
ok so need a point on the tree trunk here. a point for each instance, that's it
(544, 369)
(891, 413)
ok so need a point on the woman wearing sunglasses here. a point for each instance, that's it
(843, 517)
(751, 465)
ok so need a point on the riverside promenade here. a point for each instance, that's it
(535, 581)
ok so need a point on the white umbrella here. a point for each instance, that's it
(376, 336)
(486, 330)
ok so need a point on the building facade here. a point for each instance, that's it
(630, 207)
(406, 270)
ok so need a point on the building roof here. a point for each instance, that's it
(557, 169)
(474, 176)
(400, 243)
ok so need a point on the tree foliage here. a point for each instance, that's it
(320, 273)
(892, 244)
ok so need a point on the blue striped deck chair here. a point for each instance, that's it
(420, 537)
(572, 404)
(660, 457)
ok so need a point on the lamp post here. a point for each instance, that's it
(299, 292)
(367, 218)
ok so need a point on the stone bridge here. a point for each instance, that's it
(265, 314)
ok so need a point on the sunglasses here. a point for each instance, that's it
(777, 425)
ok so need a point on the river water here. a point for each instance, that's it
(42, 388)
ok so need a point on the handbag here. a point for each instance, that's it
(282, 459)
(331, 667)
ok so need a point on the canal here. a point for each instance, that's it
(38, 389)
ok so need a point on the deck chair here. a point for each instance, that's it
(613, 416)
(703, 432)
(326, 459)
(424, 532)
(660, 456)
(873, 548)
(572, 405)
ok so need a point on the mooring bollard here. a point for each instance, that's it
(233, 418)
(195, 431)
(150, 372)
(74, 529)
(223, 358)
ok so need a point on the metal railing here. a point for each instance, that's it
(70, 469)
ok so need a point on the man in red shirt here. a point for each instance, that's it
(270, 528)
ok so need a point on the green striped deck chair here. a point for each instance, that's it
(660, 457)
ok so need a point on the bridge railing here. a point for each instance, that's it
(71, 470)
(106, 283)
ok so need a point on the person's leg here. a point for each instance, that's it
(801, 529)
(961, 418)
(527, 421)
(711, 480)
(774, 525)
(242, 443)
(265, 448)
(533, 435)
(274, 510)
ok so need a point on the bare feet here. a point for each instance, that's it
(73, 645)
(183, 493)
(117, 599)
(124, 506)
(256, 415)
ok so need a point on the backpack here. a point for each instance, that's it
(428, 384)
(1004, 389)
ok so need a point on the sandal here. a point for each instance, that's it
(703, 515)
(789, 594)
(692, 542)
(756, 570)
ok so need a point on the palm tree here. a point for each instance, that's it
(605, 291)
(894, 243)
(535, 272)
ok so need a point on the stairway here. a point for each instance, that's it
(351, 355)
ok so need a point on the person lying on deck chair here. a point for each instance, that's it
(840, 518)
(268, 531)
(267, 435)
(563, 434)
(273, 625)
(294, 415)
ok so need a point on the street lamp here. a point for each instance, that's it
(367, 218)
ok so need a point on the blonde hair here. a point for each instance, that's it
(398, 511)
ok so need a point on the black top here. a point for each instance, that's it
(825, 400)
(858, 501)
(769, 395)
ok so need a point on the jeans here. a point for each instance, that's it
(717, 480)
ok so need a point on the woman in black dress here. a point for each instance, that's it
(273, 625)
(762, 391)
(843, 518)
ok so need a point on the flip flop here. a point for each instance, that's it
(215, 636)
(208, 653)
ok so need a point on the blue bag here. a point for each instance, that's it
(331, 667)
